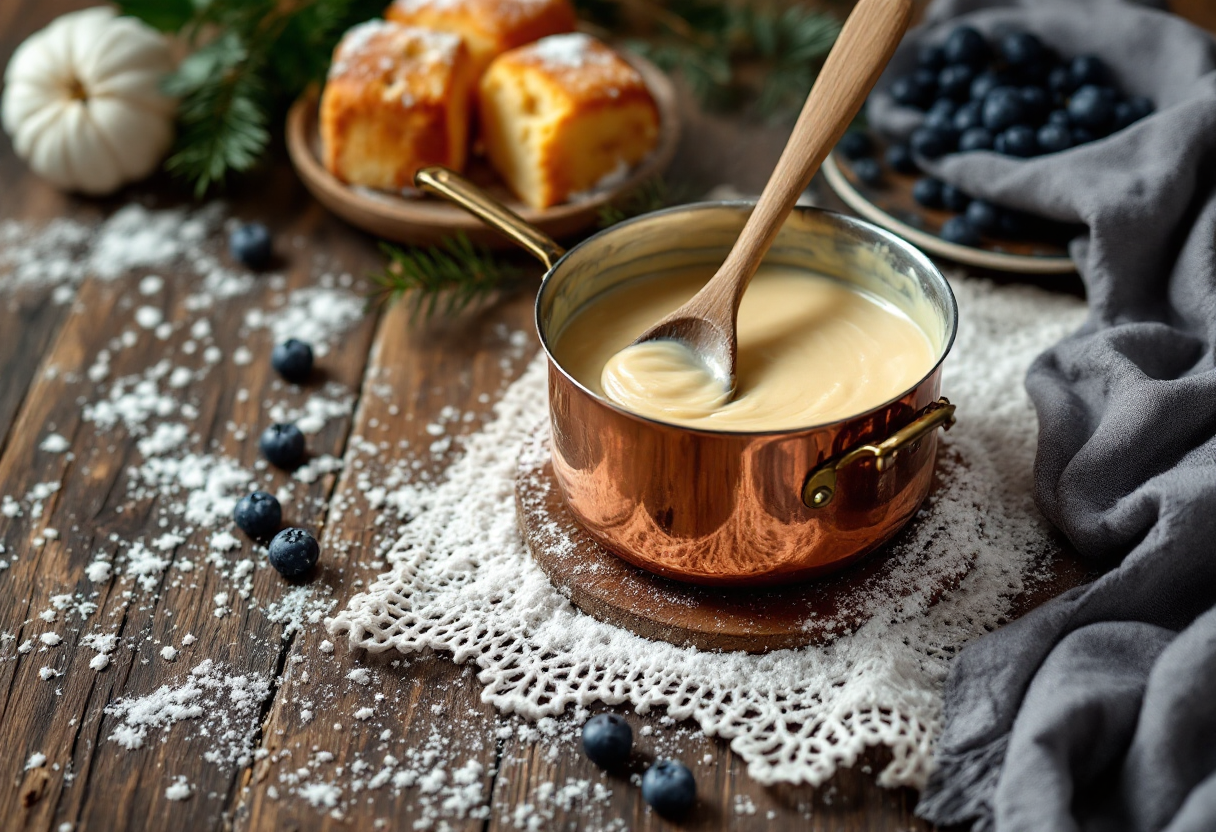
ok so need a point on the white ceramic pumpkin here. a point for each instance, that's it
(82, 101)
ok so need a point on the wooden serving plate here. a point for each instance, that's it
(423, 220)
(708, 618)
(890, 205)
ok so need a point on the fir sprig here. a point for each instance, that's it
(446, 278)
(249, 60)
(651, 195)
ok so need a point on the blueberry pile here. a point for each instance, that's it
(668, 785)
(1012, 95)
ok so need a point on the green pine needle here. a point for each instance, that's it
(446, 278)
(651, 195)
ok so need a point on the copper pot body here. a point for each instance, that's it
(728, 508)
(733, 509)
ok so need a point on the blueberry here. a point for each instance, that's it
(966, 45)
(968, 115)
(1091, 107)
(954, 199)
(1059, 82)
(955, 82)
(958, 230)
(930, 143)
(1036, 102)
(868, 171)
(1003, 108)
(983, 216)
(293, 552)
(607, 739)
(1013, 224)
(942, 107)
(855, 144)
(669, 787)
(899, 157)
(927, 79)
(1131, 111)
(909, 92)
(292, 359)
(1059, 118)
(983, 84)
(1021, 49)
(1019, 140)
(1052, 138)
(939, 120)
(283, 445)
(977, 138)
(250, 244)
(1087, 69)
(258, 514)
(931, 56)
(928, 192)
(1142, 107)
(1082, 135)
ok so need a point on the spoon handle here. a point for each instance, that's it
(865, 44)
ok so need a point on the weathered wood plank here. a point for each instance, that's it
(99, 784)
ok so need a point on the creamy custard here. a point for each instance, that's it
(811, 350)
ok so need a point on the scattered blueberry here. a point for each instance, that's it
(965, 45)
(1003, 108)
(928, 192)
(927, 79)
(983, 216)
(1088, 69)
(855, 144)
(1052, 138)
(954, 82)
(930, 143)
(292, 359)
(669, 787)
(283, 445)
(293, 552)
(977, 138)
(258, 514)
(931, 56)
(942, 107)
(954, 199)
(940, 120)
(868, 171)
(1021, 49)
(607, 740)
(958, 230)
(1013, 224)
(250, 244)
(899, 157)
(1091, 107)
(969, 115)
(1019, 140)
(983, 84)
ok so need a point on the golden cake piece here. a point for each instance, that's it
(489, 27)
(563, 115)
(397, 99)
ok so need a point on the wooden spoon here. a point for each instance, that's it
(708, 323)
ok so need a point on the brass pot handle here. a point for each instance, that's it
(820, 486)
(455, 188)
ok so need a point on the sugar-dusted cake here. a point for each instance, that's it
(564, 115)
(489, 27)
(397, 98)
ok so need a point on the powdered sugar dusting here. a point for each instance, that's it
(793, 715)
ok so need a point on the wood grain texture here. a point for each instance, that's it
(100, 787)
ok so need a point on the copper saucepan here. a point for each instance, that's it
(723, 508)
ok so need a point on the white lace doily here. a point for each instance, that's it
(462, 582)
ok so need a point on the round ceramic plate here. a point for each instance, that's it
(419, 219)
(890, 205)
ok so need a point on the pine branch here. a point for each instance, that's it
(446, 278)
(651, 195)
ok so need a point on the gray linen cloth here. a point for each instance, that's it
(1097, 711)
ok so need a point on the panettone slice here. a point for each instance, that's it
(564, 115)
(397, 99)
(489, 27)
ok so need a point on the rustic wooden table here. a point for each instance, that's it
(402, 377)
